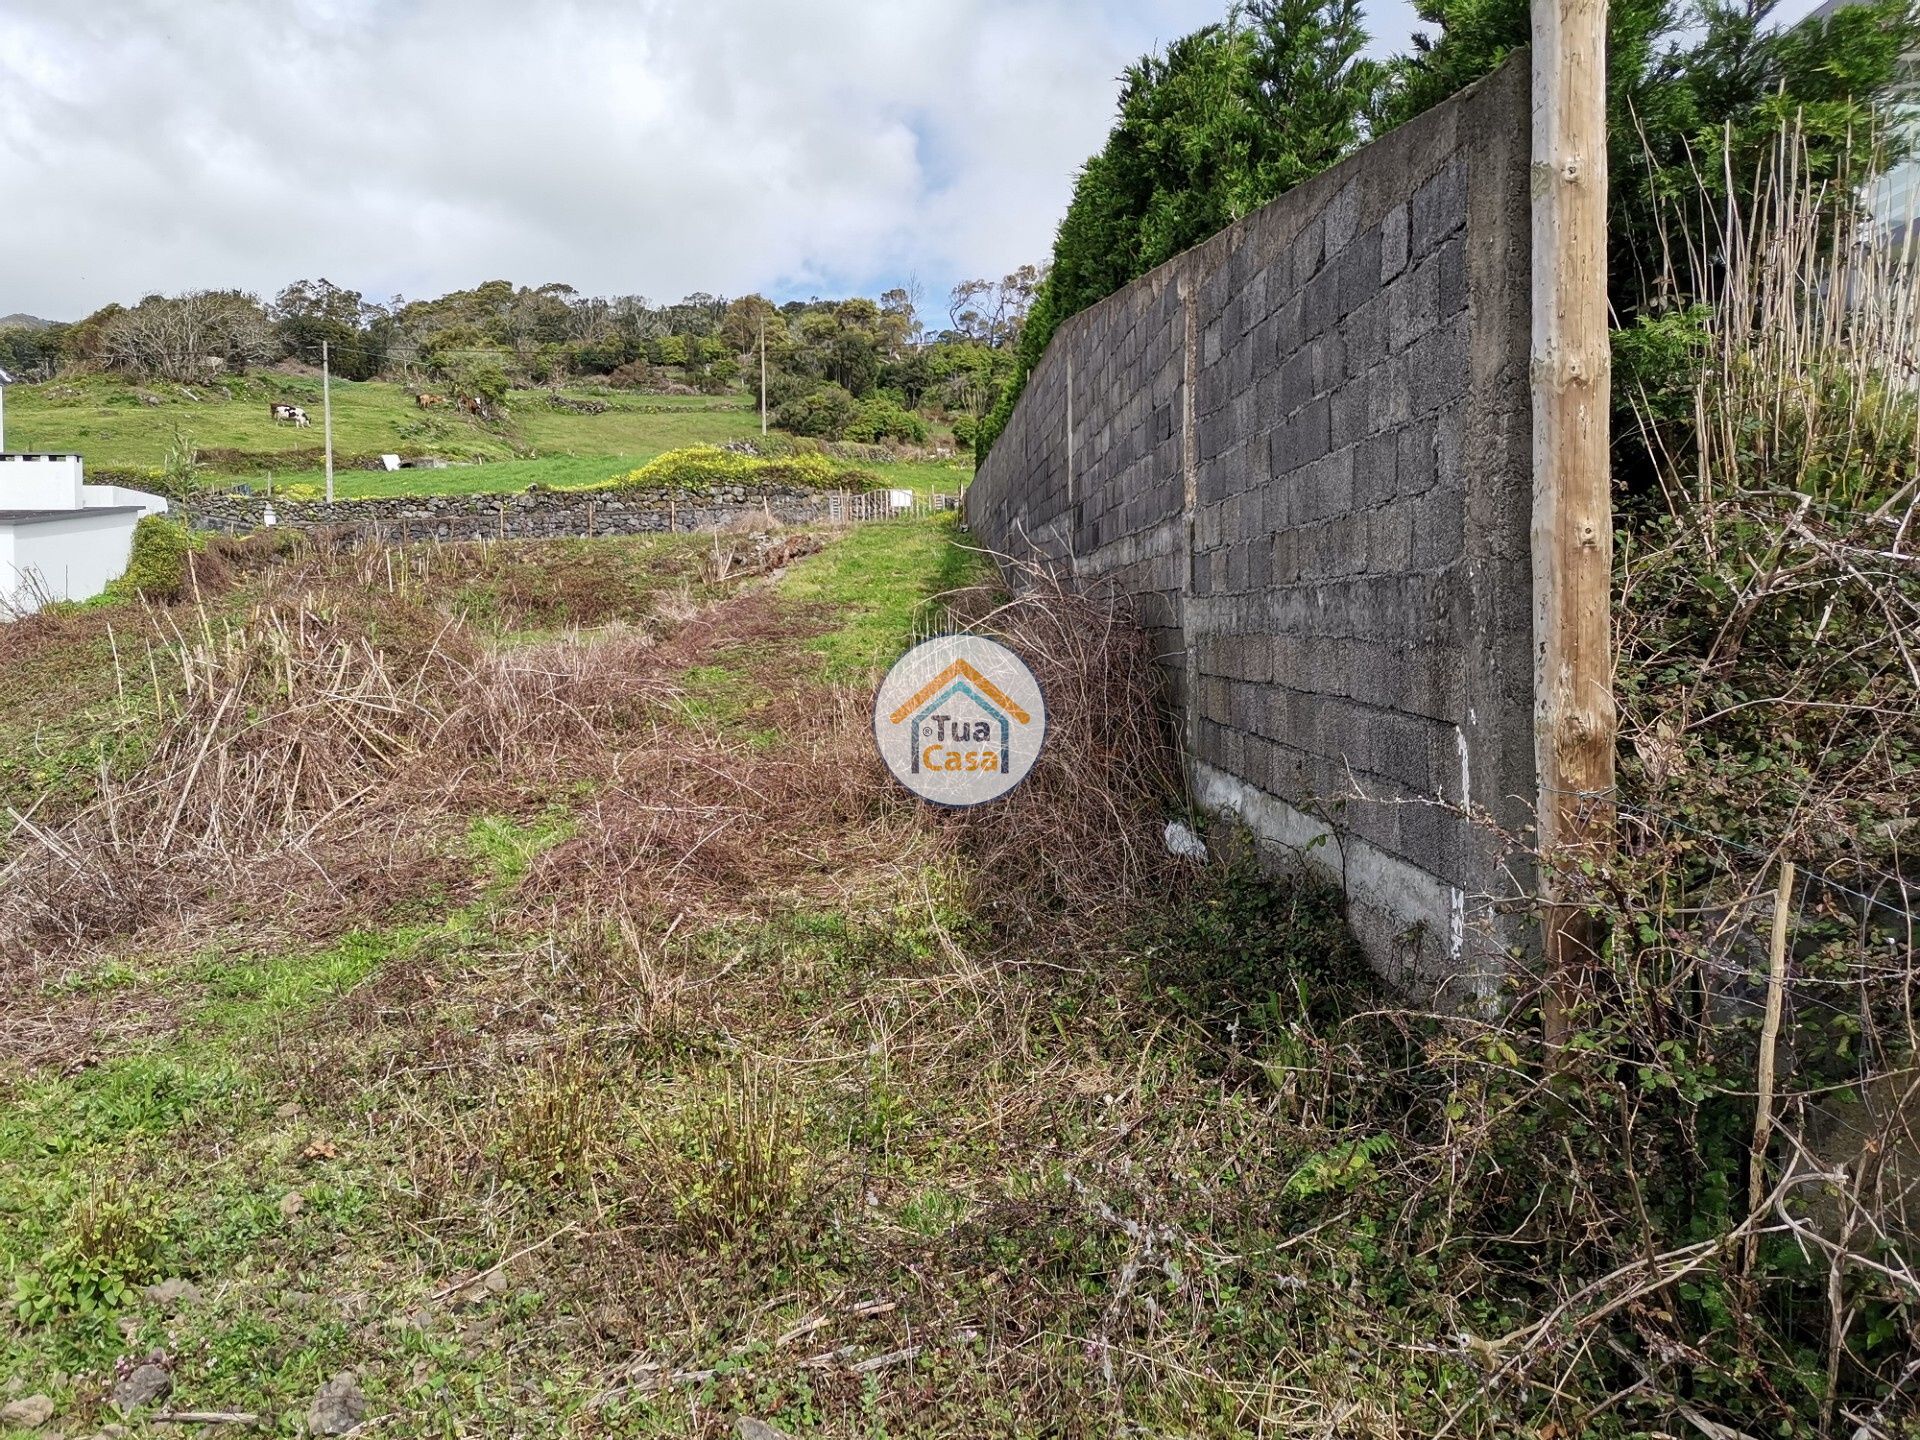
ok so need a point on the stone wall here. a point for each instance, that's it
(530, 514)
(1303, 447)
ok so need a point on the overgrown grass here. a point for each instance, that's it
(497, 1130)
(613, 1048)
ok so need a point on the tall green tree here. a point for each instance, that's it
(1222, 122)
(1697, 93)
(309, 312)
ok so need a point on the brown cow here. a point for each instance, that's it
(427, 402)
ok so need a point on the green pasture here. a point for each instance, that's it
(118, 427)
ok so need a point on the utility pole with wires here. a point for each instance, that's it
(763, 375)
(326, 413)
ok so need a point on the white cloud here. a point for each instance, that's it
(654, 147)
(624, 146)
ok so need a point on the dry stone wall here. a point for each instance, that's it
(1303, 448)
(530, 514)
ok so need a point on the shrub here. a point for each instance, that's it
(634, 375)
(157, 567)
(826, 413)
(553, 1129)
(703, 467)
(882, 418)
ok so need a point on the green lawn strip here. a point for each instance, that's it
(925, 478)
(879, 583)
(507, 848)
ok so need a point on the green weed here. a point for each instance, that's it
(738, 1166)
(109, 1244)
(553, 1130)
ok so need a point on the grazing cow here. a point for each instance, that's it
(427, 402)
(280, 410)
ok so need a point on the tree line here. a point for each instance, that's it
(1230, 117)
(857, 368)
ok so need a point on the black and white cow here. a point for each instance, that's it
(280, 410)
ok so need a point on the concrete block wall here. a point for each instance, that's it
(1303, 447)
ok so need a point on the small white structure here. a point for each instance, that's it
(61, 538)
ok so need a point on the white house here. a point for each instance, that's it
(1894, 198)
(61, 538)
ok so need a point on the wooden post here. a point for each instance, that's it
(1574, 720)
(1769, 1042)
(326, 411)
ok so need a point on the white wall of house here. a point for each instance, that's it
(72, 553)
(41, 482)
(94, 495)
(72, 558)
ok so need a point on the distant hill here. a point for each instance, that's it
(24, 322)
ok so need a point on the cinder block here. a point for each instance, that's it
(1402, 748)
(1390, 537)
(1439, 207)
(1342, 217)
(1439, 529)
(1302, 438)
(1393, 243)
(1297, 385)
(1329, 487)
(1350, 417)
(1418, 461)
(1438, 370)
(1375, 468)
(1450, 276)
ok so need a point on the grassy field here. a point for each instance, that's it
(109, 423)
(113, 425)
(503, 976)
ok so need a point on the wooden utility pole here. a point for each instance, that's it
(1574, 720)
(326, 412)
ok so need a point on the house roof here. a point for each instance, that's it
(42, 517)
(959, 668)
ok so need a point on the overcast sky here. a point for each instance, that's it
(654, 147)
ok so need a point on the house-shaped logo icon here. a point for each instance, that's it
(958, 680)
(960, 720)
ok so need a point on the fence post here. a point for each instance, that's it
(1572, 544)
(1769, 1042)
